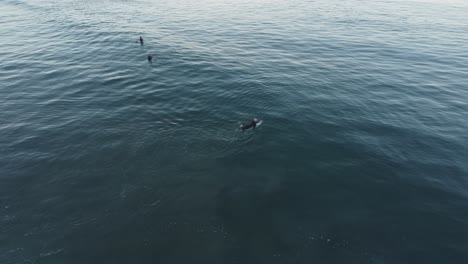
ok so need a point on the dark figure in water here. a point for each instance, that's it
(252, 124)
(141, 40)
(150, 58)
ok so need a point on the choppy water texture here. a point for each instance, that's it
(362, 157)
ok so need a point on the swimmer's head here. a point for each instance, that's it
(255, 120)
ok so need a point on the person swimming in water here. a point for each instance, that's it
(141, 40)
(150, 58)
(252, 124)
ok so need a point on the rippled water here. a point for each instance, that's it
(362, 157)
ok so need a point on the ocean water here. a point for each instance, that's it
(362, 156)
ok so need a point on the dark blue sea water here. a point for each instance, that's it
(362, 156)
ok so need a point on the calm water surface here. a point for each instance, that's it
(362, 157)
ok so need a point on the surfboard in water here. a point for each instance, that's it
(258, 123)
